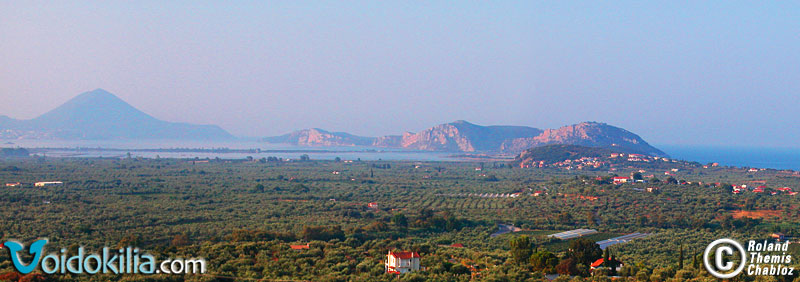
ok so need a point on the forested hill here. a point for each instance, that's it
(561, 152)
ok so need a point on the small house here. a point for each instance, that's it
(402, 262)
(48, 183)
(600, 264)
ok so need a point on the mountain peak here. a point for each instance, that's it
(97, 97)
(99, 91)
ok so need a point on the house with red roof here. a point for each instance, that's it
(599, 264)
(620, 180)
(402, 262)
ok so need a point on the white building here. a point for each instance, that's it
(48, 183)
(402, 262)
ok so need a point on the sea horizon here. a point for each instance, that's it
(738, 156)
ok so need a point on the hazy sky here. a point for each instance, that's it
(698, 72)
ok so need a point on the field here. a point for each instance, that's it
(756, 214)
(242, 215)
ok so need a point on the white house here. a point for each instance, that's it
(620, 180)
(48, 183)
(402, 262)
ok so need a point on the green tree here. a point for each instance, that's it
(400, 220)
(521, 249)
(584, 251)
(544, 261)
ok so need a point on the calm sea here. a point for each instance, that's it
(778, 158)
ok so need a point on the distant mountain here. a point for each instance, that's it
(100, 115)
(462, 136)
(319, 137)
(590, 134)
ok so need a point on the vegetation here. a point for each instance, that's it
(243, 215)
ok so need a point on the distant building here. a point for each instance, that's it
(620, 180)
(372, 205)
(13, 184)
(48, 183)
(402, 262)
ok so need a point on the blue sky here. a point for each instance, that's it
(699, 72)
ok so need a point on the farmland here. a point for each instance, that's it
(242, 215)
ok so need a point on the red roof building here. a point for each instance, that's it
(402, 262)
(620, 180)
(599, 264)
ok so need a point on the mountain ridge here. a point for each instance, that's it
(463, 136)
